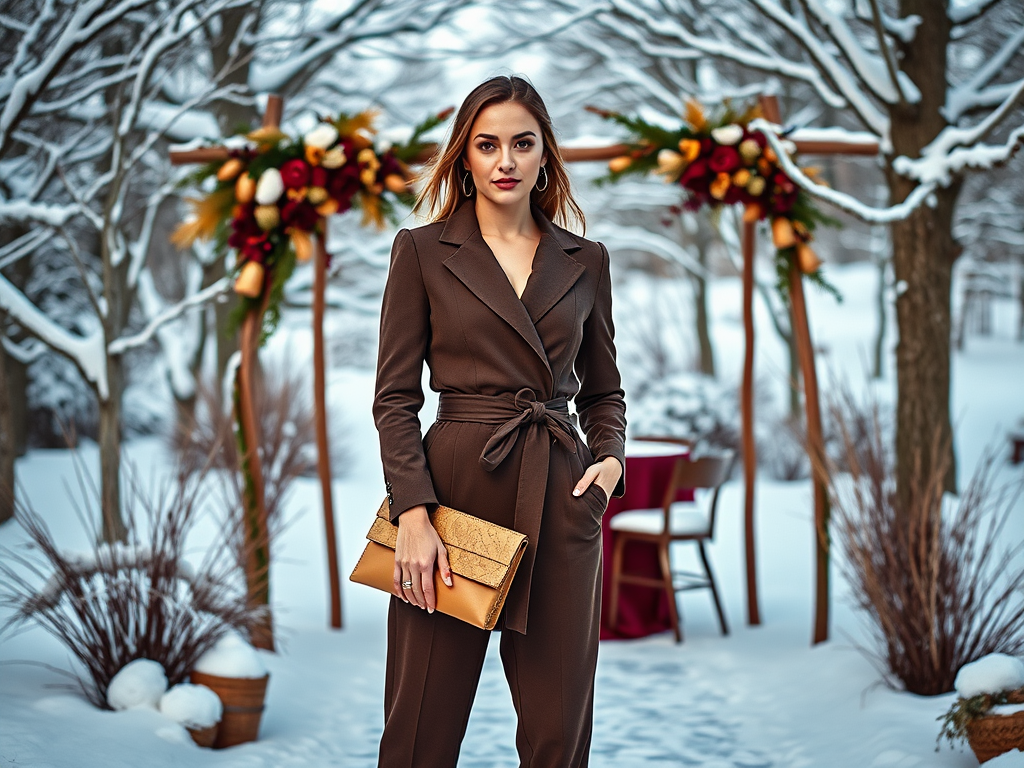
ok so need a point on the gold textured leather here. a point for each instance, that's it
(483, 559)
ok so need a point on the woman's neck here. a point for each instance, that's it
(504, 221)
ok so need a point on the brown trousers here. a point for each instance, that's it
(434, 661)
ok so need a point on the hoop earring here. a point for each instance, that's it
(467, 188)
(544, 173)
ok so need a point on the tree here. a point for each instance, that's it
(897, 68)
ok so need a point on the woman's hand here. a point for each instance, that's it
(416, 552)
(605, 473)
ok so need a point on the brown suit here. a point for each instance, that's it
(448, 302)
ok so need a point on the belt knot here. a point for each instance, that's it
(535, 411)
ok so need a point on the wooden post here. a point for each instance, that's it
(747, 409)
(816, 449)
(323, 463)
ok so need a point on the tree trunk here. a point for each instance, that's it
(7, 447)
(110, 453)
(923, 254)
(878, 366)
(700, 289)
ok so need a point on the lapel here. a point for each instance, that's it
(554, 272)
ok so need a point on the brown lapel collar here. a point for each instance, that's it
(554, 272)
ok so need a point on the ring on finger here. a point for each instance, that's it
(406, 585)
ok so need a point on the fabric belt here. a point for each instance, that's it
(542, 422)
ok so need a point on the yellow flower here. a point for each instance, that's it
(741, 177)
(334, 158)
(267, 216)
(368, 176)
(695, 116)
(670, 164)
(316, 195)
(750, 150)
(756, 185)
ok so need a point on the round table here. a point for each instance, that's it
(642, 610)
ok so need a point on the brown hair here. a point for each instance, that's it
(442, 193)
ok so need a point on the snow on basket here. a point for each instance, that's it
(196, 708)
(234, 671)
(994, 673)
(231, 656)
(138, 683)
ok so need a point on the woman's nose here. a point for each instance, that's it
(507, 163)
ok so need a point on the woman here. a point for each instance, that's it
(513, 316)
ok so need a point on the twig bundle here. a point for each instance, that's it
(939, 590)
(124, 601)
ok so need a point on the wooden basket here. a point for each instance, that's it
(992, 735)
(242, 698)
(204, 737)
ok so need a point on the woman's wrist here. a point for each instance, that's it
(414, 515)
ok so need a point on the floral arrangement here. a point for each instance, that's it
(719, 161)
(988, 686)
(271, 195)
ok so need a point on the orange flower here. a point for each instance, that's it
(297, 194)
(695, 116)
(314, 155)
(807, 260)
(751, 213)
(394, 182)
(782, 233)
(720, 186)
(250, 280)
(619, 164)
(230, 169)
(690, 149)
(302, 243)
(741, 177)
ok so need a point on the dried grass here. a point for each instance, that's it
(938, 587)
(141, 599)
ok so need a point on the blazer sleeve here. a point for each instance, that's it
(398, 396)
(600, 402)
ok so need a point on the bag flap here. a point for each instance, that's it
(477, 549)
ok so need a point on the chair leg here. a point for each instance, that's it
(617, 555)
(666, 573)
(714, 588)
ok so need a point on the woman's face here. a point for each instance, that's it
(505, 153)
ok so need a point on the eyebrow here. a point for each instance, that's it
(495, 138)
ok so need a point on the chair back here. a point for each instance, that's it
(708, 472)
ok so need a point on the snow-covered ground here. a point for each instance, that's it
(757, 698)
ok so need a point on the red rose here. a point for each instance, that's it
(318, 178)
(299, 214)
(344, 183)
(724, 159)
(784, 183)
(295, 174)
(256, 249)
(695, 170)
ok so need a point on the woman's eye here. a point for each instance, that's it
(524, 143)
(485, 146)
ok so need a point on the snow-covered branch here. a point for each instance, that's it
(87, 352)
(43, 213)
(973, 93)
(841, 200)
(123, 344)
(965, 13)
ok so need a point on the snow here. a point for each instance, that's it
(761, 696)
(192, 706)
(139, 683)
(994, 673)
(1006, 709)
(232, 656)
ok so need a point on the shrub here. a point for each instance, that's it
(938, 589)
(140, 599)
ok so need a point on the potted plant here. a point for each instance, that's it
(989, 710)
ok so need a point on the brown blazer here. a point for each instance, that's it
(448, 301)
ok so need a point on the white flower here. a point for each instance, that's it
(270, 187)
(323, 136)
(727, 134)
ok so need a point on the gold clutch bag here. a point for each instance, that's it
(483, 559)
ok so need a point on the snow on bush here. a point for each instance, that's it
(192, 706)
(139, 683)
(688, 406)
(231, 656)
(994, 673)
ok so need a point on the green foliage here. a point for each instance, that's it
(415, 145)
(963, 711)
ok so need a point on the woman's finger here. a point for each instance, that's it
(588, 477)
(427, 588)
(416, 577)
(398, 579)
(442, 564)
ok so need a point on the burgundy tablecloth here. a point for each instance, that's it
(642, 611)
